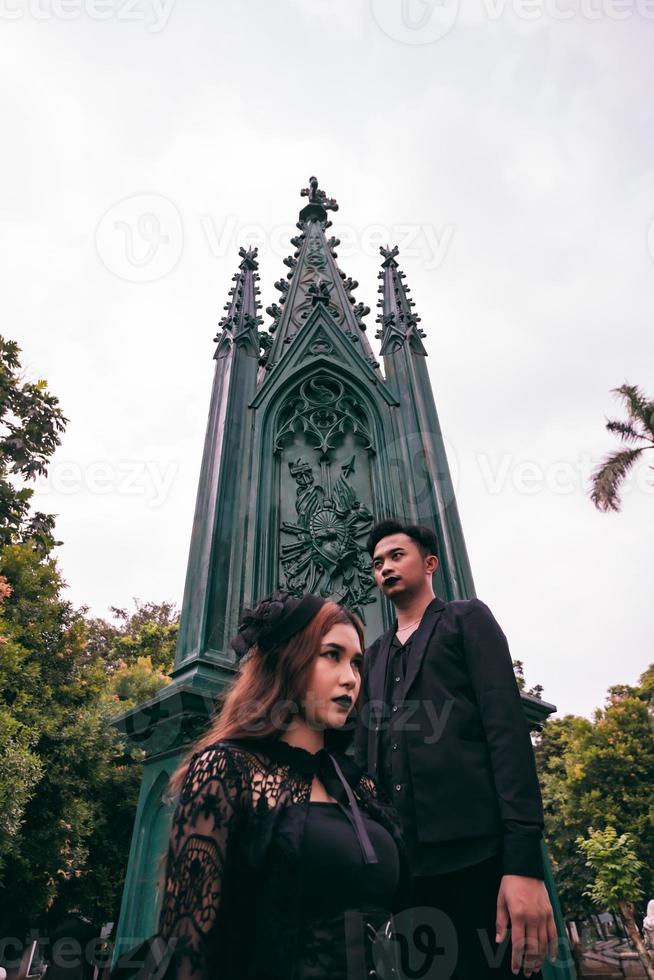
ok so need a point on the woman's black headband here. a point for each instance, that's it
(274, 621)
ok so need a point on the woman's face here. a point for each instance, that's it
(336, 674)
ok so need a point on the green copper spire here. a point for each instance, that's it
(210, 609)
(314, 279)
(240, 325)
(399, 324)
(429, 492)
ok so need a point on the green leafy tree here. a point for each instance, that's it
(519, 670)
(49, 690)
(637, 434)
(555, 749)
(616, 883)
(31, 424)
(68, 845)
(136, 683)
(646, 686)
(21, 771)
(21, 768)
(151, 631)
(598, 773)
(68, 782)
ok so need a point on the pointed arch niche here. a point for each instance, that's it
(319, 484)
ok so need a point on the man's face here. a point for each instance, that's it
(399, 566)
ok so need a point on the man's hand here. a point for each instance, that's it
(525, 904)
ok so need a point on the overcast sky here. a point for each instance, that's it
(506, 147)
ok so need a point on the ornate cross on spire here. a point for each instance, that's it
(389, 254)
(316, 196)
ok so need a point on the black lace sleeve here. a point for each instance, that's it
(201, 845)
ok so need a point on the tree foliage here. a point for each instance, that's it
(637, 433)
(137, 683)
(616, 883)
(599, 773)
(615, 866)
(68, 782)
(31, 424)
(519, 670)
(150, 631)
(67, 838)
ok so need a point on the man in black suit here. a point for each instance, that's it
(443, 731)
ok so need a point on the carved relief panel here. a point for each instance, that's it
(324, 445)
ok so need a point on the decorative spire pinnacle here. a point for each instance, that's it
(313, 279)
(316, 196)
(318, 206)
(240, 325)
(398, 322)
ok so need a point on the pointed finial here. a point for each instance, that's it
(240, 325)
(389, 255)
(317, 196)
(399, 325)
(249, 256)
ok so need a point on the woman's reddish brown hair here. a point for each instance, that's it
(270, 687)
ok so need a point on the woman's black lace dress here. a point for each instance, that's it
(248, 849)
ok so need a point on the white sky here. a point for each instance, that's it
(506, 146)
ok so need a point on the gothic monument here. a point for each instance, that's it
(308, 442)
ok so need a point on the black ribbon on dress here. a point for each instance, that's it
(353, 814)
(324, 765)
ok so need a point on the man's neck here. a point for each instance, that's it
(411, 612)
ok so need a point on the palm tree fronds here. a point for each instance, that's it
(637, 405)
(609, 475)
(625, 430)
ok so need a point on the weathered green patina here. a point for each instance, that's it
(307, 444)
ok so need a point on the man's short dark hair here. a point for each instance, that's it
(424, 537)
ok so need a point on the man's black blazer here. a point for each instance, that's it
(471, 761)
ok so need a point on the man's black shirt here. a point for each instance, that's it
(394, 776)
(456, 757)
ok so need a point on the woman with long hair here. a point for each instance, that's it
(284, 861)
